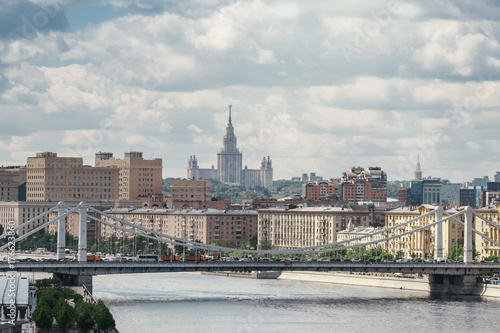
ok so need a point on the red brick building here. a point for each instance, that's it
(361, 190)
(319, 190)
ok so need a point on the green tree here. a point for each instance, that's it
(266, 244)
(64, 314)
(84, 315)
(457, 252)
(103, 318)
(400, 254)
(253, 241)
(42, 316)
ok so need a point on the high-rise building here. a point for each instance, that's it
(13, 184)
(364, 184)
(53, 178)
(467, 197)
(418, 170)
(497, 177)
(424, 190)
(138, 178)
(229, 165)
(450, 193)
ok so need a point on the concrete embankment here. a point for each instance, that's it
(382, 281)
(378, 281)
(248, 275)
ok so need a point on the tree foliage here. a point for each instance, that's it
(64, 314)
(84, 315)
(103, 318)
(42, 316)
(266, 244)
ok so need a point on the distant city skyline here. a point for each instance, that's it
(320, 86)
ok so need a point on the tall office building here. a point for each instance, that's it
(53, 178)
(138, 178)
(229, 165)
(12, 184)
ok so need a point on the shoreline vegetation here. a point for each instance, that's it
(63, 309)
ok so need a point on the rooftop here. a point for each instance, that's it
(191, 211)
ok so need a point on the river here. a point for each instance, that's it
(189, 302)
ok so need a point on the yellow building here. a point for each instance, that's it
(483, 246)
(421, 243)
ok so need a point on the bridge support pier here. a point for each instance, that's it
(71, 280)
(454, 284)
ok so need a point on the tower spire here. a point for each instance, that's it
(418, 170)
(230, 112)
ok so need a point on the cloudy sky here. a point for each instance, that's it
(317, 85)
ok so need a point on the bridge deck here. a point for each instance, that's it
(99, 268)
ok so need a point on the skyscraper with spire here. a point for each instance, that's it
(229, 158)
(418, 170)
(229, 165)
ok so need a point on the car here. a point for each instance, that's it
(324, 259)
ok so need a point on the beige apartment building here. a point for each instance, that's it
(289, 228)
(53, 178)
(205, 225)
(21, 212)
(138, 178)
(191, 190)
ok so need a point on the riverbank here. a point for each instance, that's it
(378, 281)
(406, 282)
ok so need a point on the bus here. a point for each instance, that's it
(147, 257)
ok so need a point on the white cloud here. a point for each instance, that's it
(160, 77)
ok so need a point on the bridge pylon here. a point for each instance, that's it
(82, 232)
(61, 230)
(438, 234)
(468, 249)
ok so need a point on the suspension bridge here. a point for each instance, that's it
(456, 278)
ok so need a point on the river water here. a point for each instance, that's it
(189, 302)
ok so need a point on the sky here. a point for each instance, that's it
(319, 86)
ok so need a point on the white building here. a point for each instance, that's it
(229, 165)
(22, 211)
(288, 228)
(354, 232)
